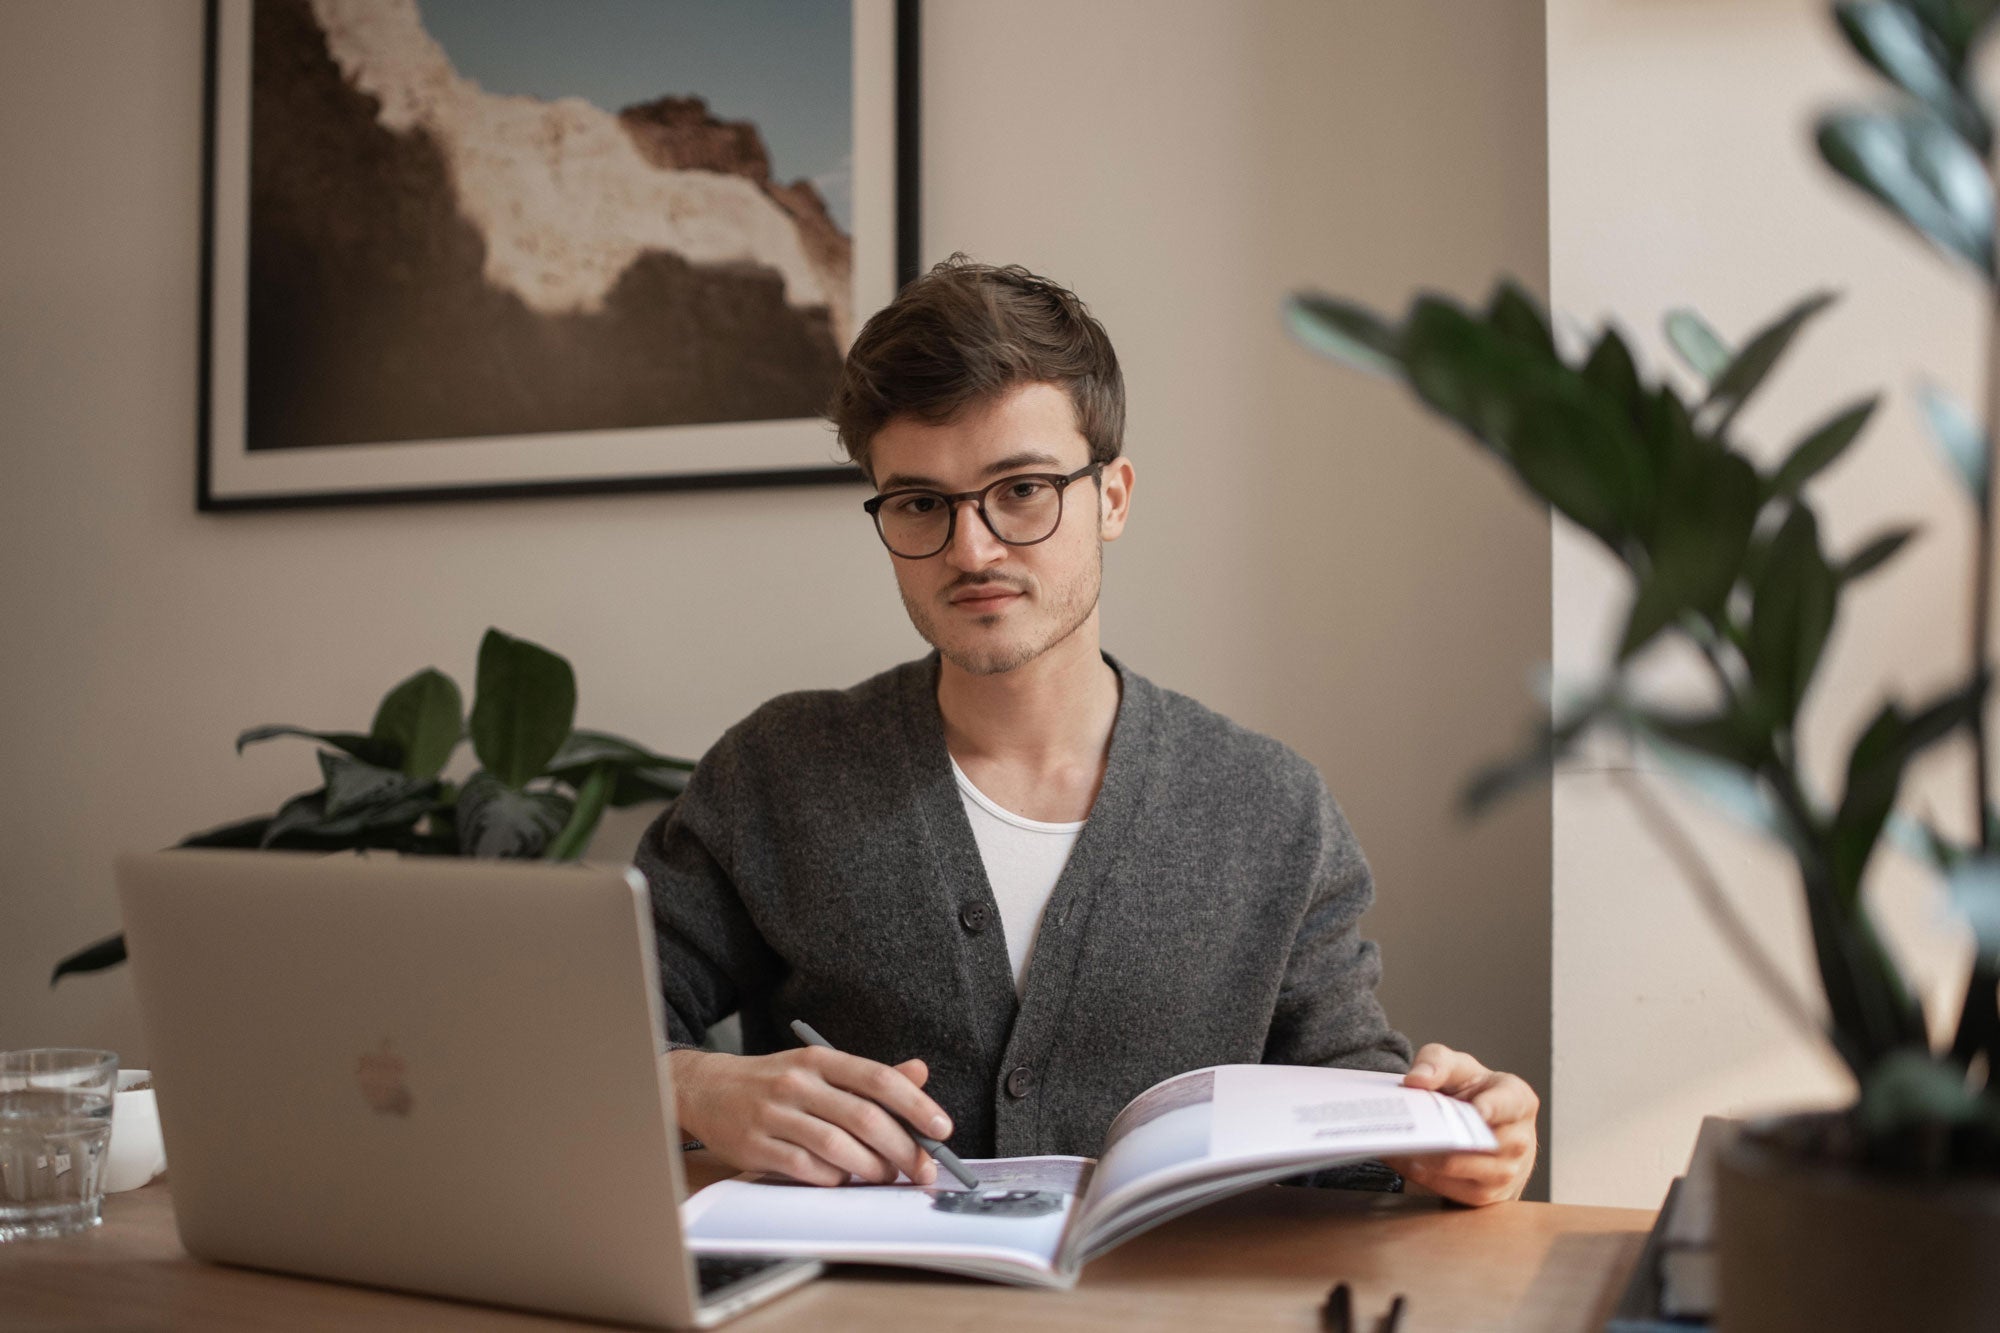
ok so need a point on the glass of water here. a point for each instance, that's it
(55, 1123)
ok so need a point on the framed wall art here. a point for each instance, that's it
(468, 248)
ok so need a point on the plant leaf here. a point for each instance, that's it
(1963, 442)
(1921, 841)
(1794, 602)
(1584, 461)
(1344, 331)
(1517, 317)
(1821, 447)
(636, 786)
(1656, 604)
(1615, 374)
(1892, 38)
(499, 820)
(524, 707)
(1723, 782)
(1461, 370)
(1552, 742)
(1702, 531)
(1873, 1010)
(301, 814)
(107, 952)
(1748, 369)
(1974, 885)
(1875, 774)
(1567, 440)
(422, 718)
(367, 749)
(1698, 344)
(1875, 554)
(1911, 1088)
(638, 775)
(302, 823)
(352, 786)
(1958, 24)
(1718, 736)
(1926, 175)
(1707, 517)
(583, 749)
(1675, 451)
(590, 800)
(243, 833)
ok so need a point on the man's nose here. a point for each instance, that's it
(972, 545)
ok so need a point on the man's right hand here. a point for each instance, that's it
(814, 1114)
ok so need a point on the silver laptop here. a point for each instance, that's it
(427, 1074)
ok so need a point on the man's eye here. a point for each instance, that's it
(914, 506)
(1027, 488)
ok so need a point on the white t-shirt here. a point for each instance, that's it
(1024, 859)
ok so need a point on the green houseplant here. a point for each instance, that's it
(1727, 558)
(541, 787)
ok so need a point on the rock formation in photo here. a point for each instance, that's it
(431, 261)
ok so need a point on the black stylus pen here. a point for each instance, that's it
(946, 1158)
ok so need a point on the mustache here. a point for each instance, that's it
(958, 587)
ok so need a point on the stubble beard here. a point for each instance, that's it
(1070, 608)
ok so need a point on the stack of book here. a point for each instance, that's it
(1675, 1285)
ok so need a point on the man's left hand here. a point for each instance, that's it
(1508, 1106)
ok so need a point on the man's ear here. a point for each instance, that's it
(1114, 502)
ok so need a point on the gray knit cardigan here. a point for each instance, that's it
(820, 866)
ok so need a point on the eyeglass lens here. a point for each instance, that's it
(1019, 510)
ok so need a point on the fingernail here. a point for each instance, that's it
(940, 1127)
(1423, 1071)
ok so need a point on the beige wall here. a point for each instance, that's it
(1682, 172)
(1308, 554)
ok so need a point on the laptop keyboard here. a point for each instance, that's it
(714, 1272)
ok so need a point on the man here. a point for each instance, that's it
(1015, 883)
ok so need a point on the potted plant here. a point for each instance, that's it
(1884, 1213)
(540, 789)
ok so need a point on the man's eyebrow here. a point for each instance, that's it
(897, 481)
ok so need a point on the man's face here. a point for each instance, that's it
(988, 607)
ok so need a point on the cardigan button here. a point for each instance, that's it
(973, 917)
(1020, 1081)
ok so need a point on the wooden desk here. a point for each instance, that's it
(1262, 1260)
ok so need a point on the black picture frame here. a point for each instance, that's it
(789, 452)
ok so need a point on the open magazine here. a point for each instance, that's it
(1183, 1142)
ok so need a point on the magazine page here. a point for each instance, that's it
(1163, 1130)
(1265, 1109)
(1211, 1132)
(1010, 1228)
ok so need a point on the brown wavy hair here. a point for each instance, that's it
(966, 332)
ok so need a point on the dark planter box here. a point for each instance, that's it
(1812, 1245)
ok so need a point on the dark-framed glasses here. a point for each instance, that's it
(1019, 510)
